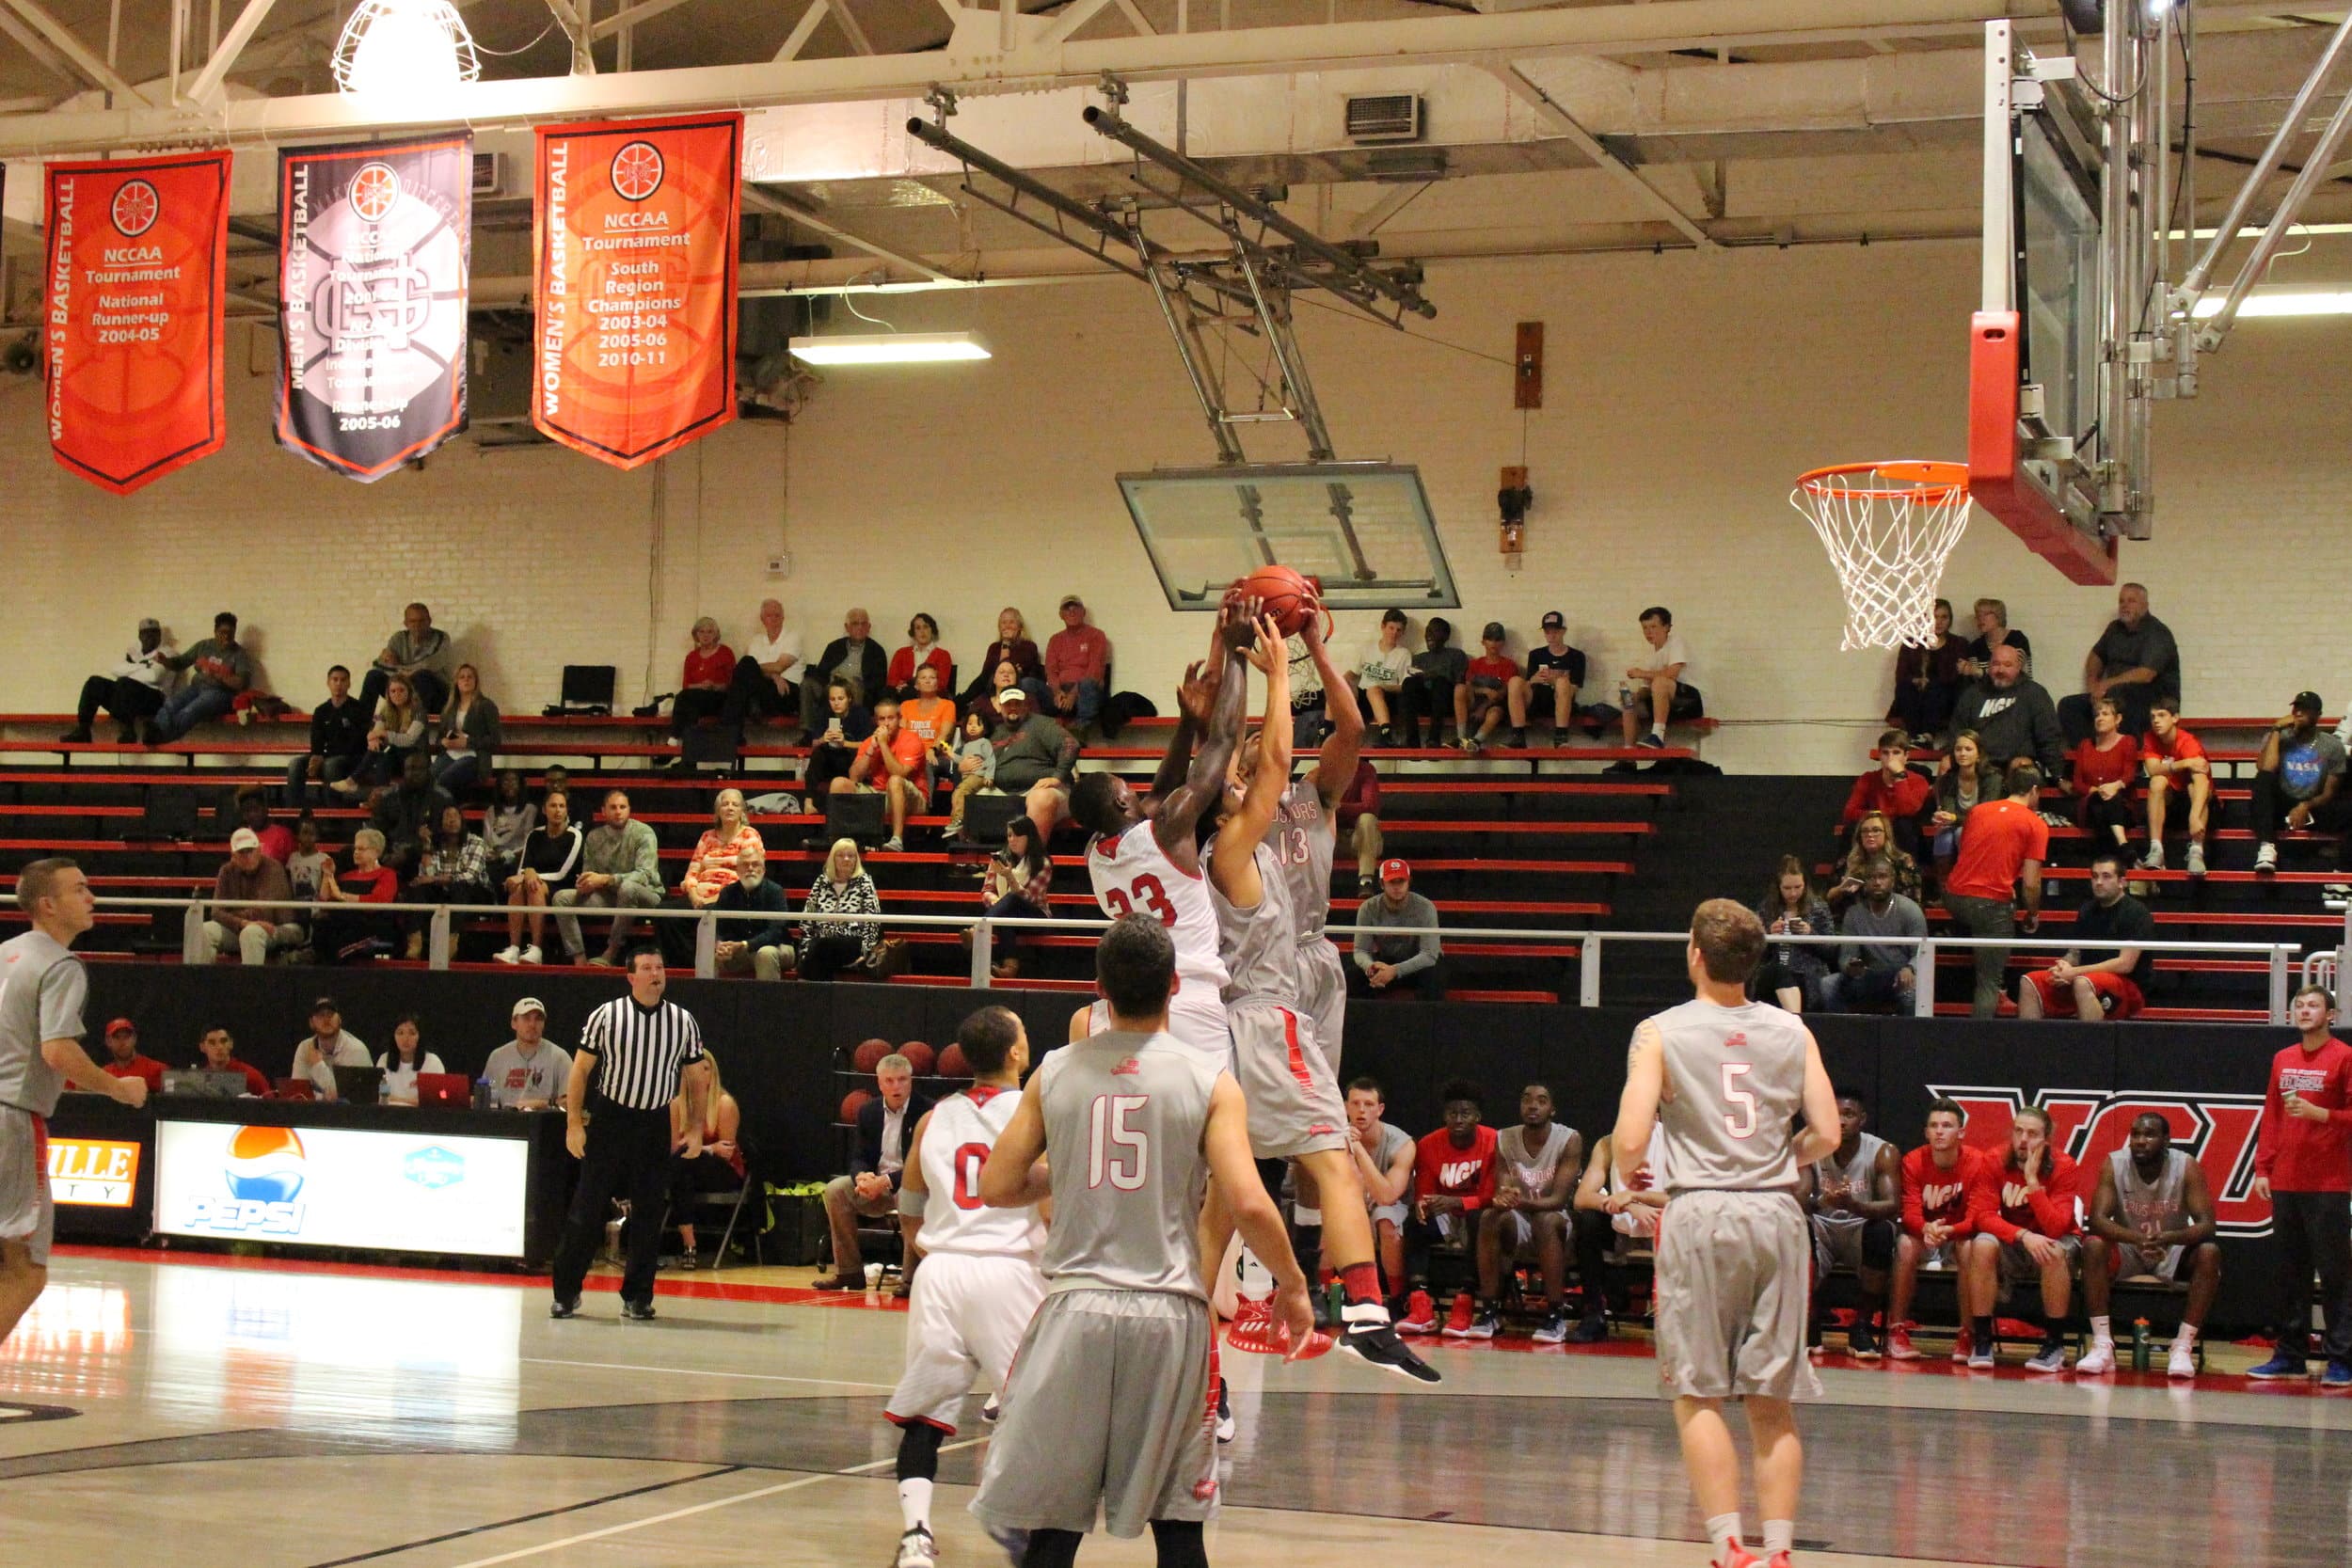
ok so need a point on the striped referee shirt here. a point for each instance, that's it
(641, 1050)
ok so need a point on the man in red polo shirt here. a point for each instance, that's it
(2176, 764)
(2303, 1168)
(2002, 842)
(123, 1059)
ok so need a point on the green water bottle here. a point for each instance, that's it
(2139, 1344)
(1333, 1300)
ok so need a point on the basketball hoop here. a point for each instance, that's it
(1888, 528)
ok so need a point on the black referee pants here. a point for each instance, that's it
(628, 1156)
(2313, 1231)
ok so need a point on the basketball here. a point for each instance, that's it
(869, 1056)
(852, 1102)
(952, 1063)
(1284, 593)
(918, 1055)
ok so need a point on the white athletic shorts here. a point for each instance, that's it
(1733, 1280)
(1195, 1018)
(26, 1215)
(1293, 1103)
(966, 1316)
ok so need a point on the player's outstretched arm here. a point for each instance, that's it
(1014, 1176)
(1335, 764)
(1225, 1143)
(913, 1190)
(1181, 809)
(1637, 1107)
(1235, 865)
(1818, 1140)
(1195, 695)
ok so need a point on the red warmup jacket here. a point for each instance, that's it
(2050, 1209)
(2299, 1156)
(1442, 1170)
(1954, 1197)
(1902, 801)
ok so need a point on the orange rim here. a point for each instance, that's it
(1911, 479)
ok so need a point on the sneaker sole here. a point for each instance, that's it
(1420, 1371)
(2253, 1376)
(1868, 1355)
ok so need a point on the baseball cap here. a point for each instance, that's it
(324, 1004)
(1493, 633)
(1554, 618)
(122, 1026)
(1011, 694)
(1394, 869)
(244, 838)
(149, 622)
(2308, 702)
(527, 1005)
(1069, 600)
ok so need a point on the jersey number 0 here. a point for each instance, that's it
(1145, 890)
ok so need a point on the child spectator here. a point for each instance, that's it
(2176, 764)
(1433, 690)
(1892, 791)
(974, 770)
(1485, 699)
(1380, 676)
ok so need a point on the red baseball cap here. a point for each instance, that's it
(1394, 869)
(122, 1026)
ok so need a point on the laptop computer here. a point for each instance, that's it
(358, 1085)
(201, 1084)
(444, 1088)
(296, 1088)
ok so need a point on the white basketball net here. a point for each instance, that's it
(1888, 528)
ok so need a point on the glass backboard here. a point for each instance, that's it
(2057, 284)
(1364, 529)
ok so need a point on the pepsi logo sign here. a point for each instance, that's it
(263, 1173)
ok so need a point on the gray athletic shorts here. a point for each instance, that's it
(26, 1215)
(2017, 1264)
(1834, 1244)
(1110, 1402)
(1518, 1229)
(1294, 1099)
(2133, 1261)
(1733, 1277)
(1393, 1212)
(967, 1314)
(1323, 997)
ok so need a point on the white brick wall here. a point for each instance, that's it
(1684, 393)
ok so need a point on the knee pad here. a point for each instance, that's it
(918, 1451)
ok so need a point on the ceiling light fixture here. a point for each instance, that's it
(2296, 302)
(889, 348)
(405, 46)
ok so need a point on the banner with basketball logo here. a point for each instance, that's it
(635, 226)
(131, 351)
(373, 249)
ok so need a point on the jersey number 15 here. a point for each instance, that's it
(1117, 1151)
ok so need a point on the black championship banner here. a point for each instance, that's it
(373, 245)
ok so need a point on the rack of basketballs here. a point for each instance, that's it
(936, 1073)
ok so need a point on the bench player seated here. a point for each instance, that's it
(1610, 1215)
(1453, 1185)
(1383, 1155)
(1854, 1200)
(2152, 1215)
(1536, 1167)
(2033, 1232)
(1947, 1186)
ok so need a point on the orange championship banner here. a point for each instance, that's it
(635, 227)
(134, 286)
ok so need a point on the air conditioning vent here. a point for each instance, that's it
(490, 173)
(1391, 116)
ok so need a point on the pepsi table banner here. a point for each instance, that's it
(373, 245)
(635, 228)
(135, 283)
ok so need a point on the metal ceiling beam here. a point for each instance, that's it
(240, 34)
(99, 72)
(645, 10)
(851, 28)
(1071, 18)
(769, 201)
(33, 44)
(801, 31)
(1551, 114)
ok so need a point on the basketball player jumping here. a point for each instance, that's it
(1294, 1097)
(1108, 1402)
(1725, 1079)
(979, 1283)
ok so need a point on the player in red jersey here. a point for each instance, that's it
(1946, 1184)
(1453, 1185)
(2031, 1231)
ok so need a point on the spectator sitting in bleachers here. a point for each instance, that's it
(1012, 645)
(712, 865)
(338, 740)
(549, 861)
(1011, 868)
(719, 1168)
(1992, 632)
(404, 1061)
(1659, 686)
(974, 770)
(1453, 1184)
(761, 950)
(2004, 844)
(2151, 1216)
(1537, 1162)
(1384, 1155)
(842, 887)
(1433, 692)
(248, 915)
(123, 1059)
(1928, 681)
(922, 652)
(454, 869)
(1792, 972)
(1484, 699)
(1606, 1217)
(1035, 758)
(134, 690)
(351, 936)
(1947, 1187)
(1892, 790)
(506, 823)
(929, 716)
(1967, 781)
(2176, 764)
(2105, 768)
(1031, 900)
(404, 813)
(219, 668)
(895, 762)
(705, 680)
(2011, 715)
(620, 868)
(217, 1052)
(326, 1046)
(395, 733)
(1873, 974)
(2093, 981)
(1077, 662)
(1358, 821)
(1385, 964)
(2029, 1232)
(2299, 781)
(420, 652)
(1873, 838)
(470, 734)
(1380, 676)
(308, 867)
(2134, 662)
(277, 840)
(833, 744)
(1854, 1200)
(1554, 673)
(886, 1125)
(854, 653)
(529, 1072)
(764, 685)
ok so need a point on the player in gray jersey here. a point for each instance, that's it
(1856, 1199)
(1306, 837)
(1295, 1112)
(1108, 1401)
(2152, 1215)
(1538, 1161)
(42, 992)
(1726, 1080)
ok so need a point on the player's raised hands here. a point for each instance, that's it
(1270, 649)
(1238, 624)
(1311, 632)
(1197, 694)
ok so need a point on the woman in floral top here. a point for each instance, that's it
(714, 865)
(456, 870)
(841, 888)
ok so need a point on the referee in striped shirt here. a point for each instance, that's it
(638, 1049)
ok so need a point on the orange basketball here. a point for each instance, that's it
(869, 1056)
(918, 1055)
(952, 1063)
(853, 1103)
(1284, 593)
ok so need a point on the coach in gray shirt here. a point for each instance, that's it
(1871, 975)
(1388, 965)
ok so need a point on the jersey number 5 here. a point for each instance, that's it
(1117, 1151)
(967, 1162)
(1740, 1117)
(1147, 892)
